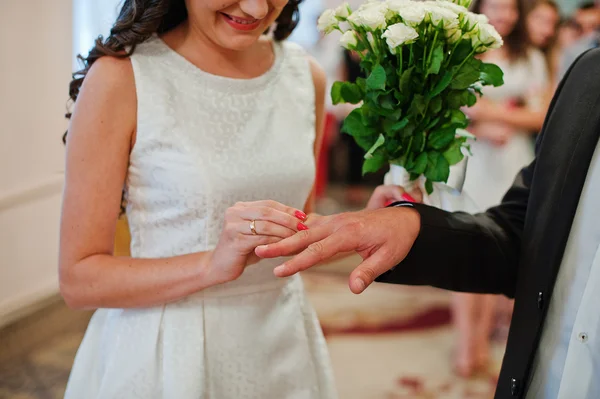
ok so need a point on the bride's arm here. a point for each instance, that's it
(320, 82)
(100, 138)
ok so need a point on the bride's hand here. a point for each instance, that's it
(385, 195)
(248, 225)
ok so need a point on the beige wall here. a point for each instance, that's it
(35, 66)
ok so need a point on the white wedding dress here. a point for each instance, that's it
(205, 142)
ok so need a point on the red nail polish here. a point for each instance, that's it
(389, 202)
(300, 215)
(408, 197)
(302, 226)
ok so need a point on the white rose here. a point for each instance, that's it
(348, 39)
(343, 11)
(482, 18)
(453, 35)
(449, 6)
(327, 22)
(463, 3)
(397, 5)
(485, 37)
(448, 19)
(399, 34)
(411, 12)
(489, 36)
(370, 16)
(374, 5)
(469, 21)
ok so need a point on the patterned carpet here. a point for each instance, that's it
(393, 342)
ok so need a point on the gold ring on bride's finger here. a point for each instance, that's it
(253, 227)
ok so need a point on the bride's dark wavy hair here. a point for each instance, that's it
(140, 19)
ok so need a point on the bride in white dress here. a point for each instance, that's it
(209, 127)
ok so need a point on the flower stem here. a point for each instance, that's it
(454, 49)
(400, 64)
(365, 41)
(465, 60)
(432, 46)
(431, 53)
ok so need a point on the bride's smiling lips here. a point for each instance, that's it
(241, 23)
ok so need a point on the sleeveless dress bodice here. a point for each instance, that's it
(203, 143)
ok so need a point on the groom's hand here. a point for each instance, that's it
(381, 237)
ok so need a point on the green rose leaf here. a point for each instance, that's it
(436, 105)
(366, 64)
(420, 164)
(380, 141)
(354, 126)
(453, 153)
(405, 80)
(336, 93)
(470, 98)
(362, 84)
(438, 168)
(396, 114)
(462, 51)
(374, 164)
(418, 105)
(390, 127)
(440, 138)
(372, 98)
(345, 92)
(467, 74)
(392, 147)
(458, 118)
(432, 123)
(442, 84)
(351, 93)
(491, 74)
(436, 60)
(376, 80)
(429, 186)
(388, 102)
(459, 98)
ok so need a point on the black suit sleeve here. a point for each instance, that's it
(468, 253)
(471, 253)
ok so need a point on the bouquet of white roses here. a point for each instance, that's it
(420, 61)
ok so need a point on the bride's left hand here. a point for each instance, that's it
(385, 195)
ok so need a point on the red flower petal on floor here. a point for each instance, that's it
(416, 384)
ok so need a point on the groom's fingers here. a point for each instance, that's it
(316, 253)
(371, 268)
(293, 244)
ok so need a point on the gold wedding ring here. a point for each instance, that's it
(253, 227)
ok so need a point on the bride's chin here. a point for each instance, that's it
(242, 45)
(237, 41)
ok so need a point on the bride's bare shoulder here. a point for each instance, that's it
(107, 101)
